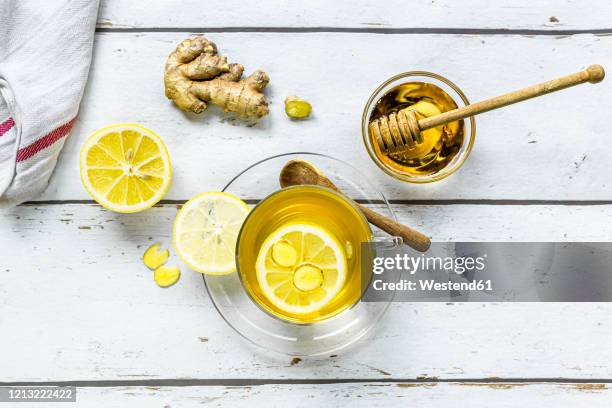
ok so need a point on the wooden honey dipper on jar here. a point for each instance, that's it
(401, 131)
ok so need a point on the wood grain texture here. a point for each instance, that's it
(394, 14)
(558, 150)
(77, 304)
(505, 395)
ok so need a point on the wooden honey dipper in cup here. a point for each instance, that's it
(300, 172)
(401, 131)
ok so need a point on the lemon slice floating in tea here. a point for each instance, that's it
(125, 168)
(206, 230)
(301, 268)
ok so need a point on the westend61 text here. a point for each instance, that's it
(432, 285)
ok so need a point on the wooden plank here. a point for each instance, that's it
(77, 304)
(395, 14)
(526, 151)
(365, 394)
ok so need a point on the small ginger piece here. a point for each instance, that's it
(297, 108)
(196, 75)
(284, 254)
(154, 257)
(166, 275)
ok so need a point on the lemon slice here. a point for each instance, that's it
(206, 230)
(301, 268)
(125, 168)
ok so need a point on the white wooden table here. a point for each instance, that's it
(77, 307)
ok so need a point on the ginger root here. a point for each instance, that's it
(155, 256)
(166, 276)
(297, 108)
(195, 75)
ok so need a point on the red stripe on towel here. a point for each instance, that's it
(45, 141)
(6, 126)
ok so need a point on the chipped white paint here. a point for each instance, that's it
(438, 14)
(357, 395)
(80, 305)
(77, 304)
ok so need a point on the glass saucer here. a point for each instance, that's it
(248, 319)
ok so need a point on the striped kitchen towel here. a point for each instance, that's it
(45, 52)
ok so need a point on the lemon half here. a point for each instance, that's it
(125, 168)
(301, 268)
(206, 230)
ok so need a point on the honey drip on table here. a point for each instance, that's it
(440, 145)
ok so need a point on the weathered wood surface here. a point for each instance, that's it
(434, 395)
(519, 153)
(552, 148)
(393, 14)
(79, 305)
